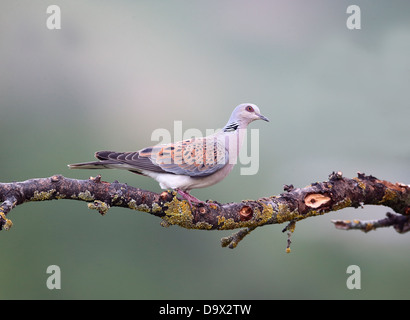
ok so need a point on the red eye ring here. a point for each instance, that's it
(249, 108)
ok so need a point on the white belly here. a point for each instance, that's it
(186, 183)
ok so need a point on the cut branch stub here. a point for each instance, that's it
(317, 200)
(245, 213)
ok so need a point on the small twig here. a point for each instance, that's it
(5, 208)
(232, 241)
(399, 222)
(290, 228)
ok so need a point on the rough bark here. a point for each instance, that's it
(293, 205)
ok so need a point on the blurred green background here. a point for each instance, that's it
(338, 99)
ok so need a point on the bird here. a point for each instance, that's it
(193, 163)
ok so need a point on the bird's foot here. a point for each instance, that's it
(189, 197)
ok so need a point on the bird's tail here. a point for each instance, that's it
(105, 164)
(116, 162)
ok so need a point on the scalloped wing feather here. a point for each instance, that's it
(196, 157)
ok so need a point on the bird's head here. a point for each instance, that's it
(246, 113)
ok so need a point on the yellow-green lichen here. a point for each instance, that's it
(342, 204)
(86, 196)
(266, 214)
(7, 222)
(7, 225)
(101, 206)
(156, 207)
(360, 183)
(141, 207)
(202, 225)
(285, 214)
(369, 227)
(115, 199)
(221, 220)
(60, 196)
(179, 213)
(388, 196)
(164, 224)
(229, 224)
(43, 195)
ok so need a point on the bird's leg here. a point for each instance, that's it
(189, 197)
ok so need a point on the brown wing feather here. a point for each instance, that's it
(130, 158)
(197, 157)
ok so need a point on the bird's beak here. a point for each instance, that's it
(262, 117)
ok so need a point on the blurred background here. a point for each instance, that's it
(338, 100)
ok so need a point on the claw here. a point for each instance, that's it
(189, 197)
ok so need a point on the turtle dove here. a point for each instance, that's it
(188, 164)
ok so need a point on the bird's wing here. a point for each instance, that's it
(127, 160)
(196, 157)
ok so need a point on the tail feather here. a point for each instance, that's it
(93, 165)
(104, 164)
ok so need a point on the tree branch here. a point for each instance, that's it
(293, 205)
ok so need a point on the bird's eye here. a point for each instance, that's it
(249, 108)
